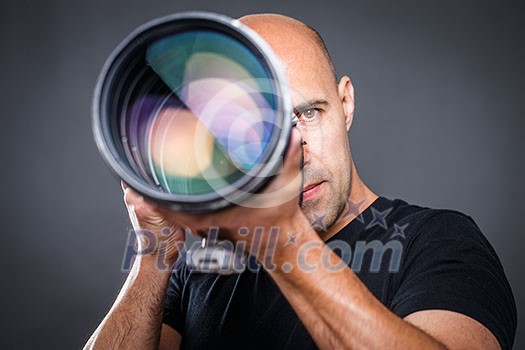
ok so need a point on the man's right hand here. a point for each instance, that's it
(157, 235)
(135, 319)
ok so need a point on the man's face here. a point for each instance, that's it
(323, 112)
(326, 152)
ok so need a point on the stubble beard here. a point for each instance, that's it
(328, 206)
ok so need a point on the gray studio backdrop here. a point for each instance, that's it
(439, 122)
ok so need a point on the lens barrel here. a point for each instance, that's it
(193, 111)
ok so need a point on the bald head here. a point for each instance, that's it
(288, 30)
(324, 109)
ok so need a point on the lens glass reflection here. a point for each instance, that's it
(198, 114)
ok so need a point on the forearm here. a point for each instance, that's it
(335, 307)
(135, 318)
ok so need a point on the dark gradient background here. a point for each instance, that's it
(439, 122)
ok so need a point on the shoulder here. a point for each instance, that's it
(434, 225)
(448, 264)
(440, 234)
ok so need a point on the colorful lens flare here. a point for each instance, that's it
(199, 115)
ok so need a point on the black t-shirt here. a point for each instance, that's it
(411, 258)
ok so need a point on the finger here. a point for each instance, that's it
(131, 197)
(292, 164)
(293, 160)
(186, 220)
(138, 204)
(287, 185)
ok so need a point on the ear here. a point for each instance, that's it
(346, 95)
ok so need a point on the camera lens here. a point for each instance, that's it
(192, 111)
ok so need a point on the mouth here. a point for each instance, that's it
(311, 190)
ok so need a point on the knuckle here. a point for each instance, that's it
(128, 196)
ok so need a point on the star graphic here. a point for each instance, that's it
(399, 231)
(379, 218)
(291, 239)
(318, 222)
(353, 208)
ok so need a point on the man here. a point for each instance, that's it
(443, 287)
